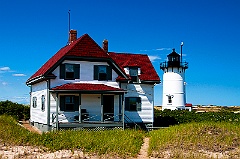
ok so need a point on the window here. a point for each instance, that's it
(69, 71)
(102, 72)
(34, 102)
(69, 103)
(133, 72)
(43, 103)
(169, 98)
(133, 104)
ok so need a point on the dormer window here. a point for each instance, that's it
(133, 72)
(70, 71)
(102, 72)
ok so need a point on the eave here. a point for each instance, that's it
(39, 79)
(88, 92)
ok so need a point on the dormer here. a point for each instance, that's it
(134, 72)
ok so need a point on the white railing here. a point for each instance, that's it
(85, 117)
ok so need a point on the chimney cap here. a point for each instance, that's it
(73, 31)
(105, 45)
(105, 40)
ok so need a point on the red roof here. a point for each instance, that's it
(86, 87)
(148, 72)
(86, 47)
(188, 105)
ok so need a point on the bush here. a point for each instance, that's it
(18, 111)
(167, 117)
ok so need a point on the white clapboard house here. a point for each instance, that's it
(85, 86)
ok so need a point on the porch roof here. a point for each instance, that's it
(87, 88)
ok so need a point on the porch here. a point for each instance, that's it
(91, 107)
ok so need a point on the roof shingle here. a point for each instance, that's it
(86, 87)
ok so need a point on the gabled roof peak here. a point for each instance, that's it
(84, 46)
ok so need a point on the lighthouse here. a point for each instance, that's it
(174, 95)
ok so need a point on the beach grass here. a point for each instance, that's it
(113, 142)
(192, 140)
(196, 140)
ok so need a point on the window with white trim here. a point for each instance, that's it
(133, 104)
(69, 71)
(43, 103)
(102, 72)
(69, 103)
(34, 102)
(133, 72)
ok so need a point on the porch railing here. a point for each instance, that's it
(128, 120)
(85, 117)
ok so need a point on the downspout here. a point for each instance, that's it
(57, 111)
(31, 104)
(48, 104)
(153, 102)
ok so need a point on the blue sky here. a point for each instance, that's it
(32, 31)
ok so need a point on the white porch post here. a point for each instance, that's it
(79, 109)
(57, 99)
(123, 110)
(102, 108)
(120, 107)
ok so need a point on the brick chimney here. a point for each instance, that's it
(72, 36)
(105, 45)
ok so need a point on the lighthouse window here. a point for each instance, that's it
(169, 99)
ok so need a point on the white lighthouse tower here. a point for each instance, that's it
(174, 95)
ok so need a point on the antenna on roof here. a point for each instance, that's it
(69, 21)
(181, 50)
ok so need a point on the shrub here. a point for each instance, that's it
(167, 117)
(18, 111)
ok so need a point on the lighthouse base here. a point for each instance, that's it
(170, 107)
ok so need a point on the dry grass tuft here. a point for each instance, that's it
(196, 140)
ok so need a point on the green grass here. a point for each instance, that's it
(192, 140)
(14, 134)
(112, 142)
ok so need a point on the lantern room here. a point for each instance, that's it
(173, 59)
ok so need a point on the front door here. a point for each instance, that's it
(108, 107)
